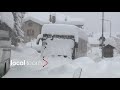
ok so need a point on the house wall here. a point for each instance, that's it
(108, 52)
(34, 27)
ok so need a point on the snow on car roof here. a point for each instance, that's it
(60, 29)
(63, 29)
(7, 17)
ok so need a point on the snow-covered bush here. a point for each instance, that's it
(117, 44)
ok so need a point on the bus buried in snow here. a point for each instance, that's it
(68, 41)
(5, 48)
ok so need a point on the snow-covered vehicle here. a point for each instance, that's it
(68, 41)
(62, 43)
(6, 26)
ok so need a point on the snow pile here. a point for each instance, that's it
(54, 68)
(117, 40)
(63, 29)
(83, 62)
(7, 17)
(60, 29)
(60, 67)
(57, 47)
(107, 68)
(32, 44)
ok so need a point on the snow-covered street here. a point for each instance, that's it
(62, 68)
(36, 70)
(57, 45)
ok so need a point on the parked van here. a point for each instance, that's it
(63, 40)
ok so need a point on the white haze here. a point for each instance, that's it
(93, 21)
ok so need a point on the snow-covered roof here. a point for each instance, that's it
(34, 20)
(43, 18)
(37, 17)
(60, 29)
(7, 17)
(110, 41)
(63, 29)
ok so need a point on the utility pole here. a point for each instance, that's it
(102, 31)
(110, 28)
(50, 18)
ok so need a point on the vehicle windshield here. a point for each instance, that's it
(58, 45)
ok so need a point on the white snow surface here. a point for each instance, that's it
(59, 67)
(36, 16)
(7, 17)
(63, 29)
(33, 45)
(56, 47)
(42, 18)
(56, 67)
(92, 66)
(35, 19)
(111, 42)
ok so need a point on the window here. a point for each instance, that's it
(30, 32)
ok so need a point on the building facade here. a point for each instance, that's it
(31, 30)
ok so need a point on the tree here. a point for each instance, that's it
(18, 33)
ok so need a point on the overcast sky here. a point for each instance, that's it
(93, 21)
